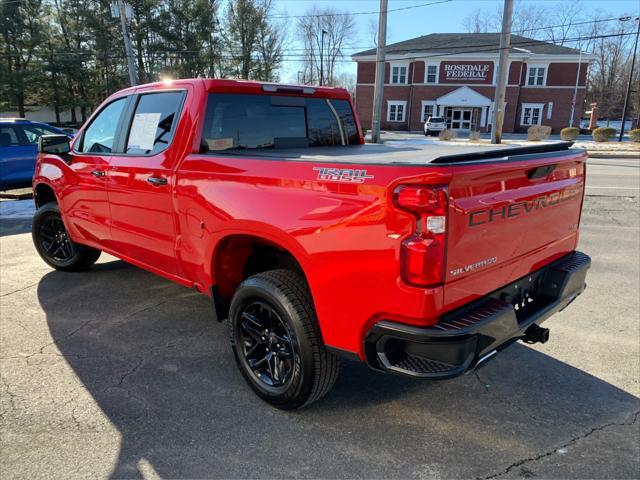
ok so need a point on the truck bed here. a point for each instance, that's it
(396, 154)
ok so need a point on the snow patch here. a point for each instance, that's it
(17, 209)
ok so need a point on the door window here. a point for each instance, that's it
(99, 136)
(34, 132)
(8, 137)
(154, 123)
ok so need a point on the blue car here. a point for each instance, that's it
(18, 150)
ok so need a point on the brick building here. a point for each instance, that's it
(453, 75)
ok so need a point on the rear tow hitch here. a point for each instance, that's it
(536, 334)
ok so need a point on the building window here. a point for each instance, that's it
(431, 74)
(428, 110)
(531, 114)
(399, 73)
(536, 75)
(395, 111)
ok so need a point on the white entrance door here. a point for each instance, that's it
(461, 118)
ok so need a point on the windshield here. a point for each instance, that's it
(237, 121)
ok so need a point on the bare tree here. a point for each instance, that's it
(562, 20)
(372, 31)
(478, 22)
(339, 28)
(345, 80)
(612, 46)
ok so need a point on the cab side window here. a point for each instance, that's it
(9, 137)
(100, 135)
(154, 122)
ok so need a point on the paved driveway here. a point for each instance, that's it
(118, 373)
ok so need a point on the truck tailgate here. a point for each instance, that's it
(508, 218)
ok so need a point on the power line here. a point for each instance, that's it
(491, 47)
(342, 14)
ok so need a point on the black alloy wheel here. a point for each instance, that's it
(52, 241)
(266, 344)
(276, 340)
(55, 240)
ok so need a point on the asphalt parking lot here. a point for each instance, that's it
(118, 373)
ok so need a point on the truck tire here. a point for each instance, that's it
(276, 340)
(52, 241)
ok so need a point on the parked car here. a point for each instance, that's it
(18, 150)
(434, 125)
(421, 260)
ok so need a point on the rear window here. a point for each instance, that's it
(436, 119)
(237, 121)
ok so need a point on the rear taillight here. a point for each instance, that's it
(422, 254)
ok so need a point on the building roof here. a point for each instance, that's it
(458, 43)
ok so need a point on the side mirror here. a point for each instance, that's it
(54, 144)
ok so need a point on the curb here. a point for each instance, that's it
(600, 154)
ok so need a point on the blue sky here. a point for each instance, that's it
(402, 25)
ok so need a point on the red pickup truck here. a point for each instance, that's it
(418, 260)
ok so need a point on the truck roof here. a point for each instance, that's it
(396, 153)
(247, 86)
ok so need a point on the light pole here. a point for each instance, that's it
(324, 32)
(626, 97)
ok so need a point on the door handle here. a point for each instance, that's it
(157, 181)
(98, 173)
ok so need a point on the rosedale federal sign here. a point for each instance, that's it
(462, 72)
(466, 72)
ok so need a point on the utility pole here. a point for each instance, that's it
(128, 49)
(505, 41)
(378, 88)
(324, 32)
(575, 90)
(626, 97)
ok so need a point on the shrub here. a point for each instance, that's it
(447, 134)
(569, 134)
(538, 132)
(474, 135)
(634, 135)
(603, 134)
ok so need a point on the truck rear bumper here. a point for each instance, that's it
(464, 338)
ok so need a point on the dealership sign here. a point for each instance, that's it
(462, 72)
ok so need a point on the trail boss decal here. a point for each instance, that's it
(488, 215)
(347, 175)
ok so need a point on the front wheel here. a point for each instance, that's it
(276, 340)
(54, 245)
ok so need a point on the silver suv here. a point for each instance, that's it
(434, 125)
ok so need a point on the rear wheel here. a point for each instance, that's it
(54, 245)
(276, 341)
